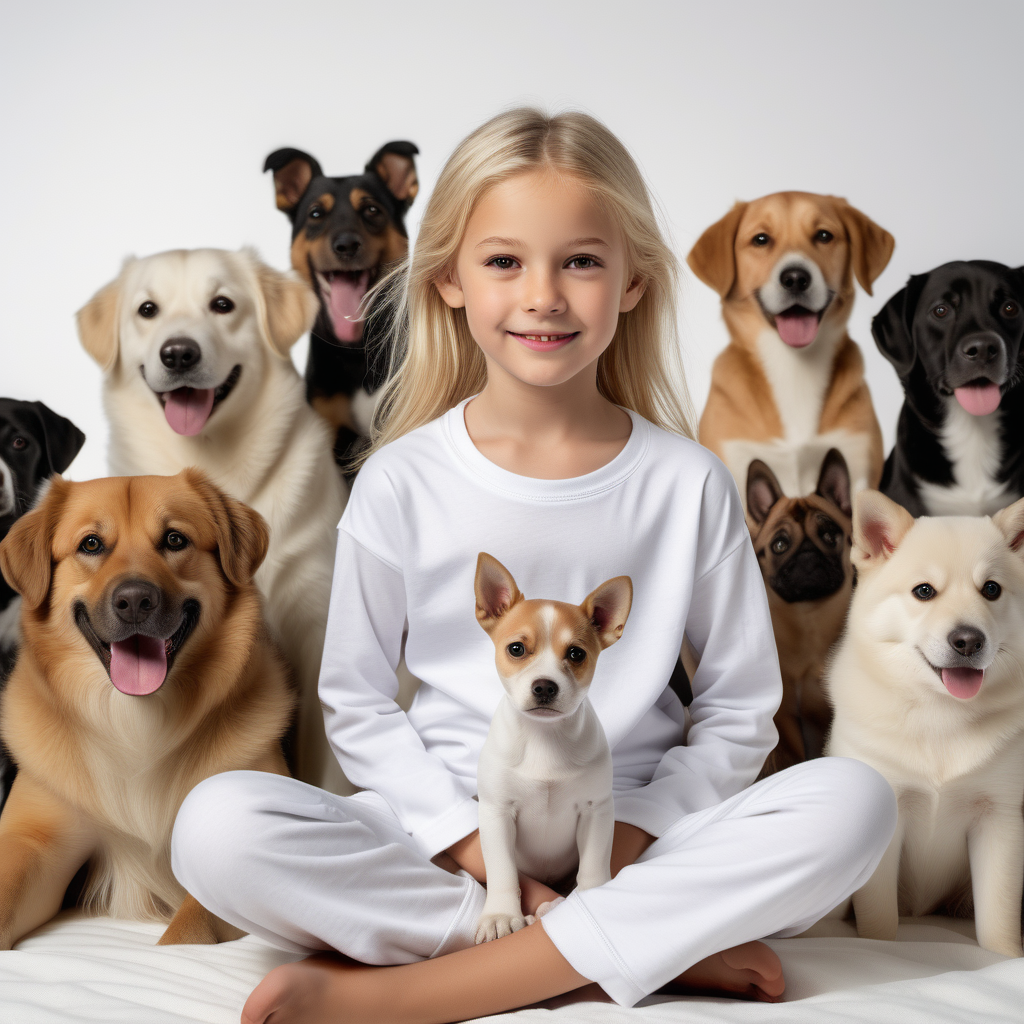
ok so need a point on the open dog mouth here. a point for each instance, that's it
(961, 682)
(138, 664)
(341, 292)
(188, 409)
(796, 326)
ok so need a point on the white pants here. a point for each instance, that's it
(309, 871)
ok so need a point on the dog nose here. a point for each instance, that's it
(982, 349)
(545, 690)
(795, 279)
(134, 601)
(180, 353)
(966, 641)
(346, 245)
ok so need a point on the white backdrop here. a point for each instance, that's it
(128, 128)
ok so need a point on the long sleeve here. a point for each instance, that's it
(373, 739)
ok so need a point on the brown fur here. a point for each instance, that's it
(102, 774)
(336, 409)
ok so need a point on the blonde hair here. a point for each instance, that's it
(435, 362)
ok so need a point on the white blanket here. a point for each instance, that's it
(78, 969)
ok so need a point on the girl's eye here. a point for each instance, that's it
(92, 545)
(502, 262)
(940, 311)
(924, 592)
(762, 238)
(221, 304)
(583, 262)
(149, 310)
(780, 544)
(991, 590)
(823, 236)
(516, 650)
(19, 444)
(175, 541)
(576, 654)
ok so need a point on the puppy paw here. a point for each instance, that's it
(497, 926)
(550, 905)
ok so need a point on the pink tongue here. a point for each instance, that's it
(963, 682)
(346, 294)
(188, 409)
(979, 400)
(138, 665)
(797, 330)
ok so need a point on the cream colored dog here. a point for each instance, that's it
(928, 688)
(194, 345)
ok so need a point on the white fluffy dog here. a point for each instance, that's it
(194, 345)
(928, 688)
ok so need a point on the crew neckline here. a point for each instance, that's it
(611, 474)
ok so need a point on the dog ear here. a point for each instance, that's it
(286, 304)
(62, 439)
(607, 608)
(26, 553)
(892, 327)
(763, 490)
(393, 163)
(293, 171)
(496, 591)
(242, 533)
(879, 525)
(1011, 521)
(97, 322)
(871, 246)
(834, 481)
(713, 258)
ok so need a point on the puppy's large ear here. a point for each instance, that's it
(763, 490)
(286, 304)
(496, 591)
(608, 608)
(62, 438)
(26, 553)
(871, 246)
(713, 258)
(879, 525)
(834, 481)
(98, 326)
(242, 534)
(1011, 521)
(393, 163)
(293, 171)
(893, 326)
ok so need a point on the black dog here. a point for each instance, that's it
(954, 336)
(345, 231)
(35, 443)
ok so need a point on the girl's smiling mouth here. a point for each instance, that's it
(544, 342)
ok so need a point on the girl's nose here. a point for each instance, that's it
(542, 295)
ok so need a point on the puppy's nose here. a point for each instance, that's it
(180, 353)
(967, 641)
(346, 245)
(545, 690)
(134, 601)
(795, 279)
(982, 349)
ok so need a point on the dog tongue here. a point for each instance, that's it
(979, 399)
(797, 329)
(346, 294)
(963, 682)
(138, 665)
(188, 409)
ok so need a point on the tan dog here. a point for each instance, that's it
(790, 385)
(145, 667)
(803, 549)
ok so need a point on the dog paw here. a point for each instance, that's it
(497, 926)
(550, 905)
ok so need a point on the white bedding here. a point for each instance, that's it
(78, 969)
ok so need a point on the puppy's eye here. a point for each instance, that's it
(516, 650)
(760, 239)
(221, 304)
(828, 538)
(19, 444)
(370, 211)
(924, 592)
(175, 541)
(576, 654)
(316, 212)
(823, 236)
(149, 310)
(780, 544)
(1010, 308)
(991, 590)
(941, 310)
(92, 545)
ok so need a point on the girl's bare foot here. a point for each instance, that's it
(749, 971)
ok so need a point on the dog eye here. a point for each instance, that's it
(823, 236)
(1010, 308)
(92, 545)
(576, 654)
(828, 538)
(149, 310)
(316, 212)
(19, 444)
(175, 541)
(221, 304)
(924, 592)
(516, 650)
(370, 211)
(940, 310)
(991, 590)
(760, 239)
(780, 544)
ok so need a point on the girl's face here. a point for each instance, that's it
(541, 272)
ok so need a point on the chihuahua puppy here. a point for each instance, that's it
(545, 775)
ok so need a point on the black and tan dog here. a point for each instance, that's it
(803, 548)
(345, 232)
(954, 336)
(145, 667)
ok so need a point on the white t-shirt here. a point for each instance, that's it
(664, 511)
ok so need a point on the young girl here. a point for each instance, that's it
(535, 416)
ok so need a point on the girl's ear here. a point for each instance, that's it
(633, 294)
(496, 590)
(450, 289)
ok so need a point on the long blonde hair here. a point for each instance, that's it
(435, 361)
